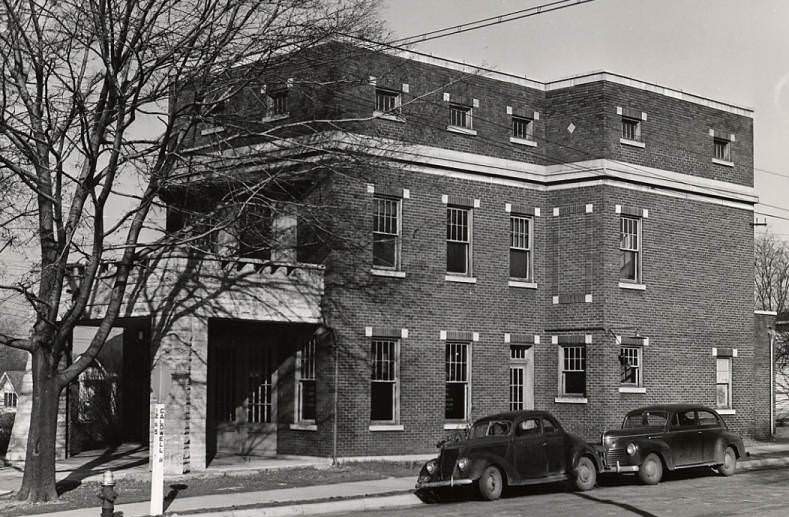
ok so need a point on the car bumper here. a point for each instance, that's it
(621, 468)
(444, 483)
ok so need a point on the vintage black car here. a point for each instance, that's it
(517, 448)
(673, 436)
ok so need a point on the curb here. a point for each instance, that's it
(758, 463)
(358, 504)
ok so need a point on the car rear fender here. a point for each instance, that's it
(723, 442)
(580, 451)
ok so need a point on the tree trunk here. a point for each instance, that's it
(38, 483)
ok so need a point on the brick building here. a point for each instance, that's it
(581, 246)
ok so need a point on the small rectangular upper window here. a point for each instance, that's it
(460, 116)
(722, 149)
(631, 129)
(387, 101)
(278, 103)
(523, 128)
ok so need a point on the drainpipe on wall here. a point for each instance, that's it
(336, 398)
(771, 333)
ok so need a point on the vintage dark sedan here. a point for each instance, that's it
(517, 448)
(673, 436)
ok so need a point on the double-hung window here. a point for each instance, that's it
(9, 399)
(722, 149)
(387, 101)
(520, 247)
(523, 128)
(305, 385)
(573, 370)
(460, 116)
(384, 381)
(278, 103)
(630, 247)
(630, 366)
(458, 389)
(459, 241)
(386, 232)
(723, 383)
(631, 129)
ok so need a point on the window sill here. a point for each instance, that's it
(571, 400)
(522, 284)
(723, 162)
(388, 273)
(453, 426)
(461, 279)
(523, 141)
(303, 427)
(386, 427)
(274, 118)
(461, 130)
(726, 411)
(632, 389)
(635, 287)
(212, 130)
(388, 116)
(632, 143)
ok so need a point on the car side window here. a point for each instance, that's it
(528, 427)
(499, 429)
(684, 419)
(548, 426)
(707, 418)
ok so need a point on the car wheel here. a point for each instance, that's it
(651, 470)
(490, 483)
(585, 474)
(729, 463)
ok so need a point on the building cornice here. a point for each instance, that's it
(489, 169)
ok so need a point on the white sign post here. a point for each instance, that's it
(157, 461)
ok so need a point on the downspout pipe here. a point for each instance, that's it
(771, 333)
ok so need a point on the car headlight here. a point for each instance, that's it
(463, 463)
(631, 449)
(430, 467)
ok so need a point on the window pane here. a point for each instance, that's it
(722, 396)
(381, 401)
(384, 250)
(308, 394)
(457, 257)
(547, 426)
(575, 383)
(628, 269)
(455, 408)
(516, 388)
(519, 263)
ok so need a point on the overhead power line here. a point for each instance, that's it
(487, 22)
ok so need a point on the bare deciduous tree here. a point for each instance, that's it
(78, 78)
(771, 267)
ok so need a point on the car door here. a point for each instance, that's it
(684, 438)
(553, 444)
(529, 459)
(710, 428)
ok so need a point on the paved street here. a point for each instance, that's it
(762, 493)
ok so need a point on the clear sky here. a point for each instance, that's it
(730, 50)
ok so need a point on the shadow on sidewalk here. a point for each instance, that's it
(624, 506)
(109, 459)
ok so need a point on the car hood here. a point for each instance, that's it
(631, 433)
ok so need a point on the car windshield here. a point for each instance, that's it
(645, 419)
(491, 428)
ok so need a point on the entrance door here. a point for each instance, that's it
(242, 388)
(521, 377)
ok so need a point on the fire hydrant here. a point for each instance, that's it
(108, 494)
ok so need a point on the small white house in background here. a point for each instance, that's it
(10, 386)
